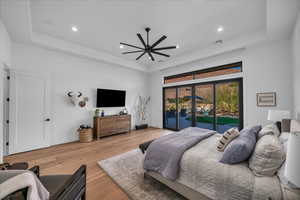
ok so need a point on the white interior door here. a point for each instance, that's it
(1, 111)
(5, 101)
(30, 119)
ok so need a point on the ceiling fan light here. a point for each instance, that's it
(177, 46)
(121, 46)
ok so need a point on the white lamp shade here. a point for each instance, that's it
(278, 115)
(292, 169)
(295, 126)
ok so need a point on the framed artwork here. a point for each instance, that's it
(266, 99)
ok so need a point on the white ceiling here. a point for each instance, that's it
(103, 24)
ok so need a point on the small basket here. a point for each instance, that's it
(86, 135)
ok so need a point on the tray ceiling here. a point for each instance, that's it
(191, 24)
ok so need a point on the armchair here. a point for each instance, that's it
(60, 187)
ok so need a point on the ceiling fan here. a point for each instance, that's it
(147, 48)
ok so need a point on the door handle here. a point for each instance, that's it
(47, 120)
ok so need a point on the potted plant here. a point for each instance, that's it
(97, 112)
(142, 113)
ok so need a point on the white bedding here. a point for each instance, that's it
(201, 170)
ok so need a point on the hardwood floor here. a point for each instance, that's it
(66, 158)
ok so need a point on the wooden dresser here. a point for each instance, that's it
(110, 125)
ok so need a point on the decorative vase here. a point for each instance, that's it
(97, 113)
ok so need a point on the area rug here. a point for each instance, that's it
(126, 170)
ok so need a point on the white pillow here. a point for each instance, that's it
(270, 129)
(267, 157)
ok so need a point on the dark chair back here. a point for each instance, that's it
(75, 187)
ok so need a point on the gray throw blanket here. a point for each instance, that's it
(164, 154)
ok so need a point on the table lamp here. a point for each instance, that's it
(292, 169)
(278, 115)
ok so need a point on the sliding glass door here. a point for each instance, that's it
(227, 106)
(184, 107)
(170, 108)
(204, 110)
(214, 105)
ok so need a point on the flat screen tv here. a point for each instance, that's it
(110, 98)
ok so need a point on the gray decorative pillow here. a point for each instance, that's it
(270, 129)
(268, 156)
(241, 148)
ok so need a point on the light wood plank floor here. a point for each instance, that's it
(66, 158)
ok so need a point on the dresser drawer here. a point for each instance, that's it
(107, 132)
(107, 123)
(123, 124)
(123, 118)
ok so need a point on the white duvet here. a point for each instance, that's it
(201, 170)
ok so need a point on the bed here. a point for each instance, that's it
(202, 176)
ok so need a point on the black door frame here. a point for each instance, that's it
(241, 100)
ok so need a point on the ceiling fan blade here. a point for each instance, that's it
(152, 58)
(131, 45)
(162, 54)
(164, 48)
(141, 55)
(128, 52)
(141, 39)
(158, 41)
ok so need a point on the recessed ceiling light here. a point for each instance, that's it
(220, 29)
(75, 28)
(121, 46)
(177, 46)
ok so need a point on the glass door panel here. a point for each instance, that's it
(170, 110)
(204, 106)
(184, 107)
(227, 106)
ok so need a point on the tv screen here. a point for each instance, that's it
(110, 98)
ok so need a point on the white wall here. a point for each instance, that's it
(5, 59)
(5, 47)
(296, 60)
(77, 74)
(266, 68)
